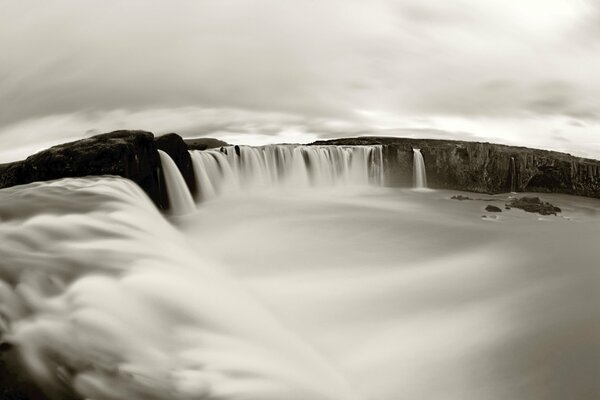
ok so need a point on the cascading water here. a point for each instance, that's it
(321, 295)
(419, 173)
(287, 166)
(102, 296)
(513, 175)
(180, 198)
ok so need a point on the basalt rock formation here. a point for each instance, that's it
(177, 149)
(130, 154)
(484, 167)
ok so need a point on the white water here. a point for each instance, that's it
(115, 303)
(419, 173)
(180, 198)
(355, 292)
(513, 175)
(286, 166)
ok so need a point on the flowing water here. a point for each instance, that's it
(419, 173)
(286, 166)
(338, 289)
(180, 198)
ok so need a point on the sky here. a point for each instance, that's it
(521, 72)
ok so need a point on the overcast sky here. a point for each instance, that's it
(521, 72)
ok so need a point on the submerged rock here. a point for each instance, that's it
(534, 205)
(492, 208)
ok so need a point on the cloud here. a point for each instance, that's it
(266, 67)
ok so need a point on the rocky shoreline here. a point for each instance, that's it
(457, 165)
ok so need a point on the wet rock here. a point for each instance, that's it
(491, 208)
(177, 149)
(534, 205)
(460, 197)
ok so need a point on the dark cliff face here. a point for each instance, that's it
(130, 154)
(176, 148)
(484, 167)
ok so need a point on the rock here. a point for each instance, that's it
(534, 205)
(237, 150)
(491, 208)
(130, 154)
(177, 149)
(204, 143)
(483, 167)
(18, 383)
(460, 197)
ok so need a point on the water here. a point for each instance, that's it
(419, 173)
(180, 198)
(513, 175)
(281, 291)
(102, 295)
(286, 166)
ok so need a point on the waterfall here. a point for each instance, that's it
(101, 295)
(419, 173)
(513, 175)
(291, 166)
(180, 198)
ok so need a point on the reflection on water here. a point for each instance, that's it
(326, 294)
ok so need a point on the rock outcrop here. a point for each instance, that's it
(177, 149)
(130, 154)
(534, 205)
(204, 143)
(484, 167)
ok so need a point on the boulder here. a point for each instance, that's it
(491, 208)
(534, 205)
(177, 149)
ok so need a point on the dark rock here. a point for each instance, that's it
(460, 197)
(491, 208)
(483, 167)
(507, 207)
(204, 143)
(17, 383)
(176, 148)
(534, 205)
(130, 154)
(237, 150)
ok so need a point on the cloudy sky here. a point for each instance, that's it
(521, 72)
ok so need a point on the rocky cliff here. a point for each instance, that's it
(468, 166)
(484, 167)
(130, 154)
